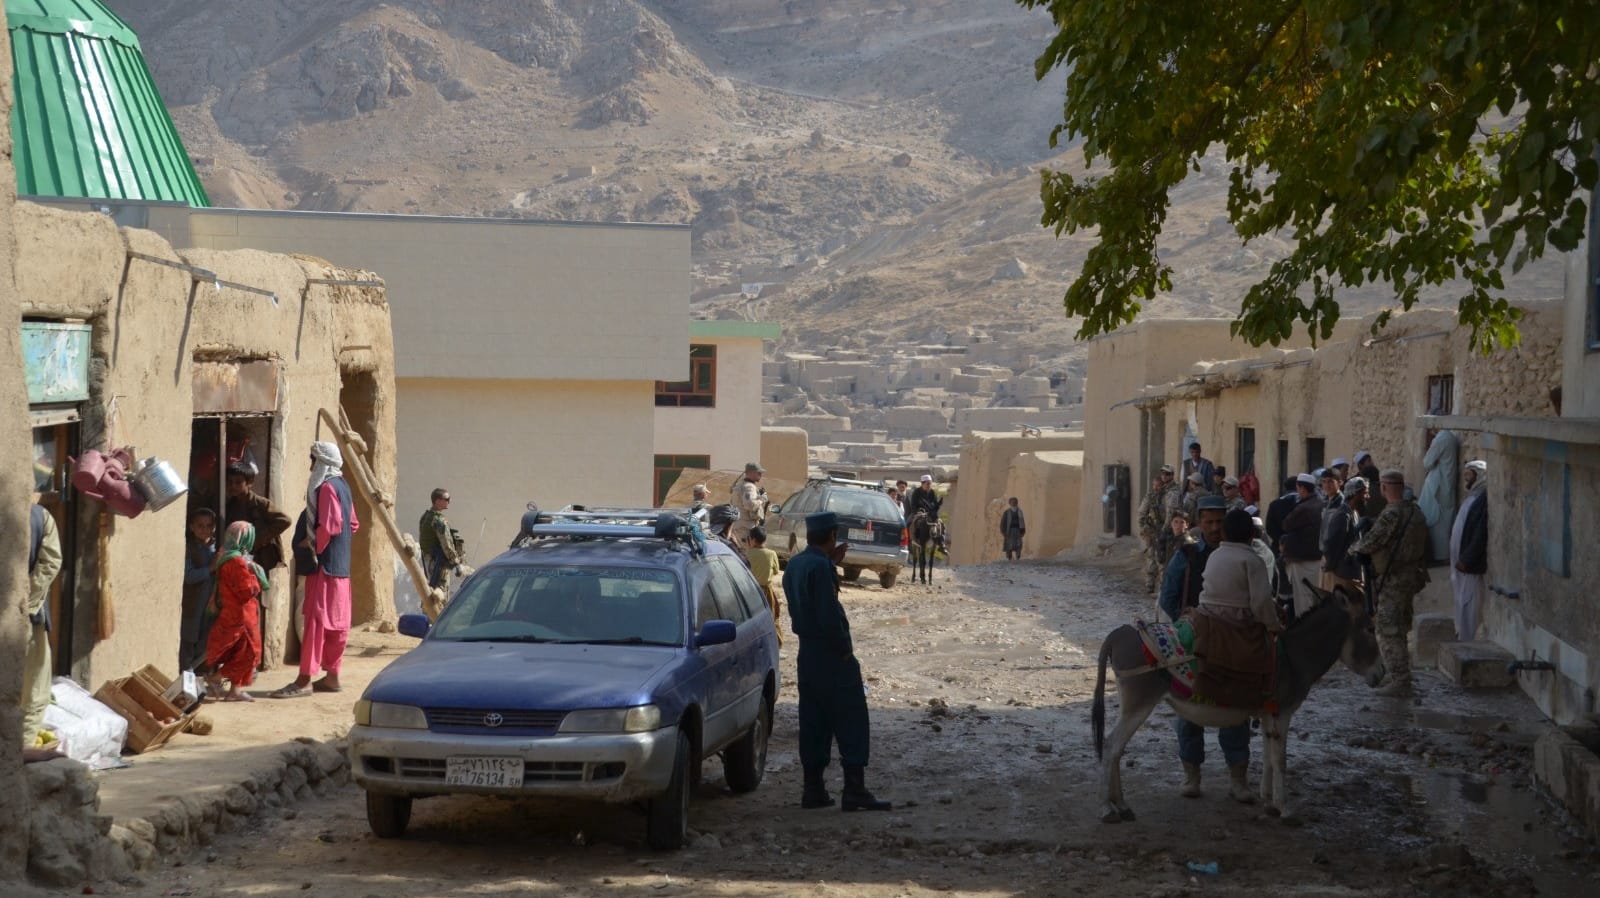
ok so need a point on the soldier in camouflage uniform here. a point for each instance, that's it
(1231, 494)
(441, 546)
(1192, 494)
(1397, 545)
(1154, 511)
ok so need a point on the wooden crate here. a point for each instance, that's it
(138, 699)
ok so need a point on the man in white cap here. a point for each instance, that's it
(1469, 551)
(750, 497)
(1300, 546)
(1341, 469)
(923, 498)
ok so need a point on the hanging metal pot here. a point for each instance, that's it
(158, 483)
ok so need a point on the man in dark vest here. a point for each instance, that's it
(44, 562)
(245, 504)
(332, 523)
(833, 702)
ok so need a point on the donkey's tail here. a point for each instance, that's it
(1099, 712)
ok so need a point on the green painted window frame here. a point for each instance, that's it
(667, 469)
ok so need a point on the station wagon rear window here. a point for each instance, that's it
(862, 504)
(589, 605)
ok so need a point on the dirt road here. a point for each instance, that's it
(980, 688)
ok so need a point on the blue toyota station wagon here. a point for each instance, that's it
(603, 657)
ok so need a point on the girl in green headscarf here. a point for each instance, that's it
(233, 649)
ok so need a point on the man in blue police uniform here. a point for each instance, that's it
(833, 703)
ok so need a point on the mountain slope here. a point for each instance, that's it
(873, 161)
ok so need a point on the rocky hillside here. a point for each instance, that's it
(872, 162)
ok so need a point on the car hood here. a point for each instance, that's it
(519, 676)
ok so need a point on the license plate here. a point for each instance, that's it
(484, 773)
(864, 536)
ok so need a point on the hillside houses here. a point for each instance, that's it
(906, 407)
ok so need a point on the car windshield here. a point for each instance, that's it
(566, 604)
(861, 504)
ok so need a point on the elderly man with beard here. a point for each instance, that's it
(331, 525)
(1469, 551)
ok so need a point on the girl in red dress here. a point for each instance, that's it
(233, 649)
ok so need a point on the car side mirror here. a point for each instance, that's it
(716, 632)
(414, 625)
(776, 509)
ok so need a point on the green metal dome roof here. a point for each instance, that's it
(87, 119)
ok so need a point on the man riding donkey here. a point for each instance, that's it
(1218, 666)
(1222, 591)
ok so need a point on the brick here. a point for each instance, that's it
(1475, 665)
(1429, 631)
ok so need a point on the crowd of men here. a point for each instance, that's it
(1350, 527)
(1346, 525)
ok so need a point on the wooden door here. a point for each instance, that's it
(53, 446)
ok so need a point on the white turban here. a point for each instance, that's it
(327, 462)
(1482, 468)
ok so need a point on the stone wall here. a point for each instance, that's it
(1541, 513)
(151, 324)
(985, 469)
(1047, 486)
(1391, 377)
(784, 452)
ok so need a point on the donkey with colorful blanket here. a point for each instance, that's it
(1336, 629)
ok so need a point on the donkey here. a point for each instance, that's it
(1336, 629)
(926, 533)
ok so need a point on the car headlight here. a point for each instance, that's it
(638, 719)
(383, 714)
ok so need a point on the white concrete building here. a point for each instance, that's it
(527, 353)
(713, 419)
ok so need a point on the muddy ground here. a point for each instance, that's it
(980, 688)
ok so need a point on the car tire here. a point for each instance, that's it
(887, 578)
(852, 573)
(745, 761)
(667, 823)
(388, 815)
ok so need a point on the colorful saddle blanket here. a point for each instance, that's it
(1171, 646)
(1198, 678)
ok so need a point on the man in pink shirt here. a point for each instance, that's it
(327, 592)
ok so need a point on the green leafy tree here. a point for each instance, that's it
(1413, 143)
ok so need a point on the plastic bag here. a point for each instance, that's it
(88, 730)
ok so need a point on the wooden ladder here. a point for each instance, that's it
(354, 449)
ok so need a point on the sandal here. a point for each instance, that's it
(290, 691)
(322, 686)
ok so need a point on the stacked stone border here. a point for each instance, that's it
(71, 843)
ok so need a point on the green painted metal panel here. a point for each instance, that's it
(87, 120)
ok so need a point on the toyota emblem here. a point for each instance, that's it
(493, 719)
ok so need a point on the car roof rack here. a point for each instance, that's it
(829, 478)
(584, 522)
